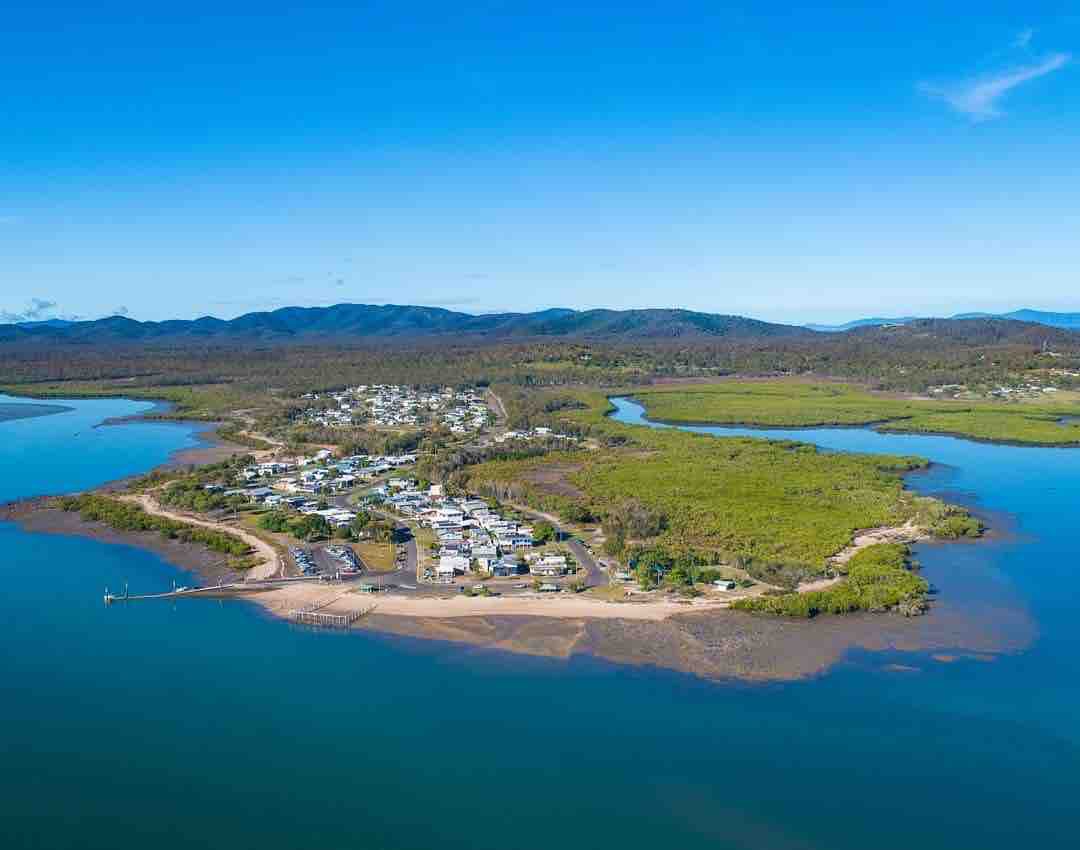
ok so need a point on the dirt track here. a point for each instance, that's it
(270, 564)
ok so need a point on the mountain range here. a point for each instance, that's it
(350, 321)
(343, 322)
(1068, 321)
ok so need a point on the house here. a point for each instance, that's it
(451, 565)
(552, 565)
(485, 550)
(504, 568)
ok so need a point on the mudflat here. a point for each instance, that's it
(708, 641)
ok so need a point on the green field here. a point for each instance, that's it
(800, 404)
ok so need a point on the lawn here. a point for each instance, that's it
(378, 557)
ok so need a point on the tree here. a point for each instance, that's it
(646, 576)
(543, 532)
(614, 545)
(276, 521)
(360, 523)
(311, 527)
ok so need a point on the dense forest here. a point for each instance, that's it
(981, 352)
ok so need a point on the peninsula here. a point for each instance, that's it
(504, 496)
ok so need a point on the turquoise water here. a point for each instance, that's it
(207, 724)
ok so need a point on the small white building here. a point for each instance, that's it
(451, 565)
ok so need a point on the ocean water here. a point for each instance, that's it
(207, 724)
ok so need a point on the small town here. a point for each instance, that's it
(392, 406)
(452, 538)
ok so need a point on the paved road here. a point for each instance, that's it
(596, 576)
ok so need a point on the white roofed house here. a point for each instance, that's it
(451, 565)
(485, 550)
(550, 565)
(517, 539)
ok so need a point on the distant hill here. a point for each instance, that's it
(352, 321)
(1068, 321)
(946, 334)
(861, 323)
(45, 323)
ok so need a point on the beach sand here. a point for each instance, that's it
(704, 639)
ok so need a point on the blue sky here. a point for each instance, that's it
(790, 164)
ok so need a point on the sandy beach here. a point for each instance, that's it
(700, 637)
(555, 605)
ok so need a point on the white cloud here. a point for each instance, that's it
(38, 310)
(978, 98)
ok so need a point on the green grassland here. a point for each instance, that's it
(799, 404)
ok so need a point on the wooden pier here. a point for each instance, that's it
(235, 588)
(320, 618)
(309, 615)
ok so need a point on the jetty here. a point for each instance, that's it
(320, 618)
(314, 615)
(230, 589)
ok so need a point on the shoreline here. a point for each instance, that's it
(703, 639)
(213, 448)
